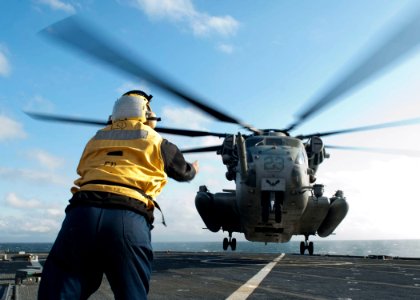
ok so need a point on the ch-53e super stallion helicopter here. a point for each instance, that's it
(276, 196)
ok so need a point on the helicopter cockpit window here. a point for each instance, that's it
(281, 142)
(300, 159)
(250, 142)
(273, 142)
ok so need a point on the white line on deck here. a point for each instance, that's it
(245, 290)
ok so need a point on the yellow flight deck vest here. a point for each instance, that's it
(127, 153)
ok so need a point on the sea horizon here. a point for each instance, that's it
(409, 248)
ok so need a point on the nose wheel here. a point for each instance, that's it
(305, 245)
(229, 242)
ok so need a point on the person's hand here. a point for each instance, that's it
(195, 166)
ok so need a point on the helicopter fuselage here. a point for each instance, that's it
(274, 198)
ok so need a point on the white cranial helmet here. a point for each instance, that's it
(132, 105)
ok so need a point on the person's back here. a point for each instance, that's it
(108, 221)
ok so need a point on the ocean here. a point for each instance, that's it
(396, 248)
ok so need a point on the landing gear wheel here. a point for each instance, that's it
(311, 248)
(229, 242)
(233, 244)
(306, 245)
(302, 248)
(225, 244)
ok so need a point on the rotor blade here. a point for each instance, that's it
(203, 149)
(388, 52)
(408, 152)
(362, 128)
(65, 119)
(186, 132)
(80, 36)
(82, 121)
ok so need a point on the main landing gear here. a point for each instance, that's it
(305, 245)
(229, 242)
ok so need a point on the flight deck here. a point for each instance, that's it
(234, 275)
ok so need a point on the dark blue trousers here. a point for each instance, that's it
(95, 241)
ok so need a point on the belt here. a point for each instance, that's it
(105, 182)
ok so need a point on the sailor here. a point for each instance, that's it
(107, 228)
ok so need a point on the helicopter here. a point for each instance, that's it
(277, 193)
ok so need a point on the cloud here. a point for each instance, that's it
(183, 11)
(175, 203)
(54, 212)
(30, 218)
(4, 63)
(203, 24)
(39, 103)
(381, 195)
(174, 9)
(10, 129)
(27, 227)
(225, 48)
(58, 5)
(184, 116)
(40, 177)
(14, 201)
(45, 159)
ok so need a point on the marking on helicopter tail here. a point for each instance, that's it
(246, 289)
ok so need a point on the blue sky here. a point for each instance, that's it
(259, 61)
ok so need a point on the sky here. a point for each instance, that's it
(260, 61)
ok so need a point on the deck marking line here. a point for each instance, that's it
(246, 289)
